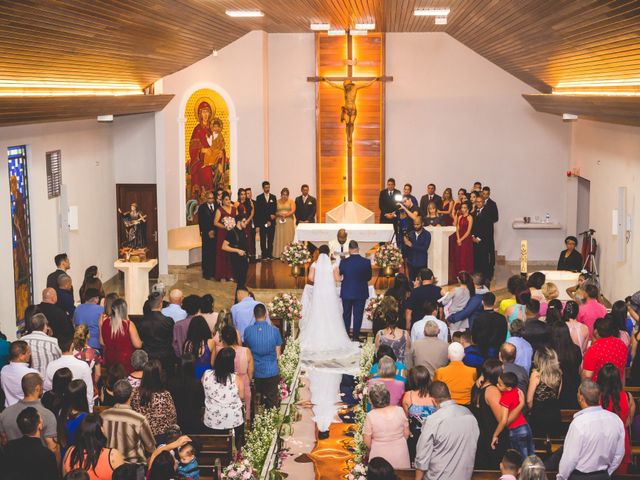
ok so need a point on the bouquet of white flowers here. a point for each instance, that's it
(388, 255)
(229, 223)
(371, 307)
(239, 470)
(296, 253)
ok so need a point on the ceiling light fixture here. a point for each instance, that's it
(365, 26)
(356, 33)
(441, 20)
(316, 27)
(336, 33)
(431, 12)
(244, 13)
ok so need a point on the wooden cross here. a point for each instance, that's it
(349, 110)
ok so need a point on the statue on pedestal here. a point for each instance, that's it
(133, 247)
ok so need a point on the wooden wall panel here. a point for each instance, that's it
(368, 137)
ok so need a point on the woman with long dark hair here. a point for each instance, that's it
(616, 400)
(455, 300)
(460, 243)
(207, 303)
(570, 358)
(90, 452)
(188, 396)
(154, 401)
(243, 364)
(417, 404)
(554, 312)
(394, 336)
(579, 331)
(488, 411)
(91, 280)
(54, 398)
(401, 291)
(623, 323)
(223, 393)
(200, 344)
(226, 211)
(74, 408)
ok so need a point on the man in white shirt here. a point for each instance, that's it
(339, 248)
(79, 369)
(417, 331)
(175, 310)
(44, 349)
(594, 445)
(11, 375)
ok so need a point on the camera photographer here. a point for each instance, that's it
(416, 243)
(405, 215)
(236, 245)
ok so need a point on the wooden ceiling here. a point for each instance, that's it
(542, 42)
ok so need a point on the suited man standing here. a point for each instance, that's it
(430, 196)
(482, 236)
(264, 220)
(306, 210)
(354, 291)
(206, 214)
(492, 208)
(417, 242)
(387, 202)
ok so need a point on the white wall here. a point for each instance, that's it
(453, 117)
(292, 114)
(609, 156)
(88, 173)
(134, 148)
(240, 71)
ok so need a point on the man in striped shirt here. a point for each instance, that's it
(44, 349)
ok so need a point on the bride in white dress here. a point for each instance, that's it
(322, 332)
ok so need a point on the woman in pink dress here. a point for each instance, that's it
(460, 244)
(243, 364)
(223, 262)
(386, 429)
(447, 207)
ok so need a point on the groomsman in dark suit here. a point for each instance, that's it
(388, 203)
(306, 207)
(482, 236)
(206, 214)
(492, 207)
(430, 196)
(264, 220)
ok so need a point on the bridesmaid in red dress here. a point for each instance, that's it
(223, 271)
(447, 207)
(119, 337)
(462, 197)
(241, 206)
(461, 245)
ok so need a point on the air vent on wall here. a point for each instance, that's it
(54, 173)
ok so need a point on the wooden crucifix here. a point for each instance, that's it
(349, 111)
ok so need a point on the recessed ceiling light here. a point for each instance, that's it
(431, 12)
(355, 33)
(365, 26)
(319, 26)
(244, 13)
(441, 20)
(336, 33)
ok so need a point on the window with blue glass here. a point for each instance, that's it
(21, 229)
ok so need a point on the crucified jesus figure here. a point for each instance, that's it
(349, 110)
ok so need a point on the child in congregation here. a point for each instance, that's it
(512, 402)
(510, 465)
(188, 463)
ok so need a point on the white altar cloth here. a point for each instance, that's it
(563, 280)
(367, 235)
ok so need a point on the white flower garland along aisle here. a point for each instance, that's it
(254, 453)
(359, 469)
(388, 255)
(296, 253)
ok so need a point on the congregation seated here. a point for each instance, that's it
(387, 375)
(397, 338)
(429, 351)
(458, 377)
(430, 310)
(386, 350)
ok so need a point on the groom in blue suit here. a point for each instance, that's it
(356, 273)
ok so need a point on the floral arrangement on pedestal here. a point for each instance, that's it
(372, 306)
(296, 254)
(287, 308)
(229, 223)
(388, 256)
(359, 469)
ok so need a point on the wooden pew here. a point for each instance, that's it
(214, 453)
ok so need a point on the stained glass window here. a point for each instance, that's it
(21, 229)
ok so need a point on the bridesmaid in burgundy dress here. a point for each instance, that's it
(461, 244)
(223, 270)
(447, 207)
(244, 209)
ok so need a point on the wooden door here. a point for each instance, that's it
(146, 197)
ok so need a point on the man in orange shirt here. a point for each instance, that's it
(458, 377)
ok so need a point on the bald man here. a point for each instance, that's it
(58, 320)
(65, 295)
(174, 310)
(339, 248)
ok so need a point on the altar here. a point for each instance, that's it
(366, 234)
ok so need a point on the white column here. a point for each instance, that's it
(136, 283)
(439, 252)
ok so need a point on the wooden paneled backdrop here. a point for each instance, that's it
(368, 136)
